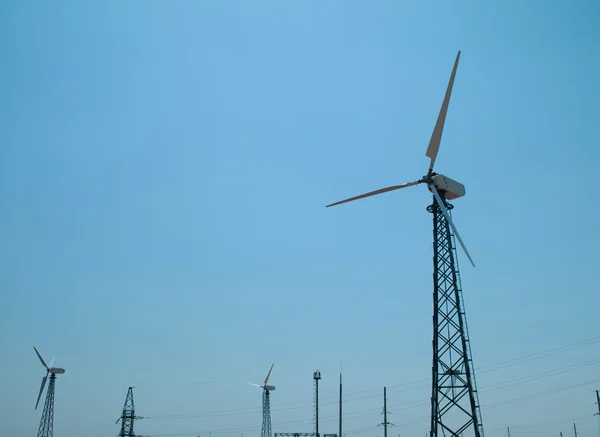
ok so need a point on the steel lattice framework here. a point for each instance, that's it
(266, 422)
(454, 400)
(46, 428)
(128, 416)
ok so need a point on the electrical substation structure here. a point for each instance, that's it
(455, 410)
(316, 378)
(127, 416)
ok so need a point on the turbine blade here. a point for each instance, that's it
(41, 390)
(251, 383)
(52, 362)
(41, 359)
(445, 211)
(269, 374)
(373, 193)
(436, 136)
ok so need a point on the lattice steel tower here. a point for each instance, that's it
(454, 399)
(128, 416)
(266, 421)
(46, 428)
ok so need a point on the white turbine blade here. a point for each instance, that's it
(445, 211)
(373, 193)
(52, 362)
(269, 374)
(41, 390)
(255, 385)
(41, 359)
(436, 136)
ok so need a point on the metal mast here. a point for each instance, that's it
(454, 399)
(316, 377)
(385, 422)
(128, 416)
(340, 418)
(266, 423)
(46, 428)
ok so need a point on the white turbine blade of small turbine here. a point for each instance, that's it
(373, 193)
(269, 374)
(41, 359)
(41, 390)
(52, 362)
(251, 383)
(447, 215)
(436, 136)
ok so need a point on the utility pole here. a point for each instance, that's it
(340, 430)
(575, 429)
(598, 402)
(508, 431)
(385, 422)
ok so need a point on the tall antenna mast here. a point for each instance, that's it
(575, 430)
(316, 377)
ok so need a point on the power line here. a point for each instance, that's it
(416, 420)
(254, 410)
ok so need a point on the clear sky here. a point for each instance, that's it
(164, 167)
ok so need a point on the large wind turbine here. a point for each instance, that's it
(46, 428)
(266, 403)
(454, 400)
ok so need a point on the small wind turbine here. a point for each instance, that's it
(266, 421)
(46, 428)
(454, 392)
(436, 183)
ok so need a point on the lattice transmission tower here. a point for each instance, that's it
(128, 416)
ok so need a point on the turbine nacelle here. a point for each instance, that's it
(451, 188)
(268, 387)
(57, 370)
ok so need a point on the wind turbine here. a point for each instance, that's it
(454, 401)
(266, 404)
(46, 428)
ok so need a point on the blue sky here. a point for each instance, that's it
(164, 167)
